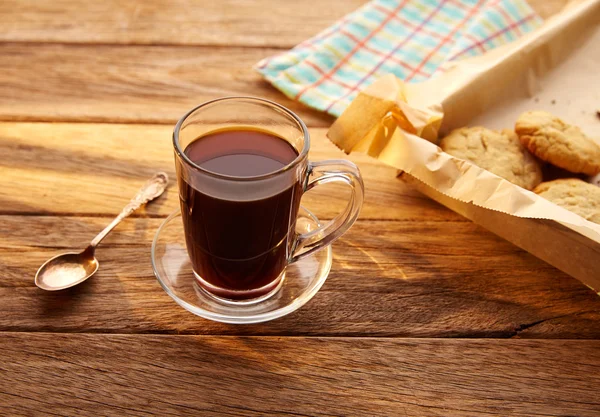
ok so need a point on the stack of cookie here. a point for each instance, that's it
(518, 155)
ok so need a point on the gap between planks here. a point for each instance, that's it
(102, 121)
(337, 336)
(161, 44)
(164, 216)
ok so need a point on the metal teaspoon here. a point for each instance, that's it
(72, 268)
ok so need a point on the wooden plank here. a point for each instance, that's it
(115, 375)
(95, 168)
(133, 83)
(180, 22)
(389, 278)
(100, 83)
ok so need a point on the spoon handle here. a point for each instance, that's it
(152, 189)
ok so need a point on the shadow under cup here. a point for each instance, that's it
(240, 230)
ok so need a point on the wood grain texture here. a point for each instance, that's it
(80, 81)
(45, 374)
(389, 278)
(180, 22)
(97, 168)
(270, 23)
(104, 83)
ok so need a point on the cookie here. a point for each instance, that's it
(499, 152)
(573, 194)
(559, 143)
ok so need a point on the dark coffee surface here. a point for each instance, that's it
(239, 244)
(241, 153)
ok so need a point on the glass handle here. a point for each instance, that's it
(322, 173)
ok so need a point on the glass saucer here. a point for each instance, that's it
(173, 270)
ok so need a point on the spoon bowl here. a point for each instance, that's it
(65, 270)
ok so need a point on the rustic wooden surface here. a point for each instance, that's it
(171, 22)
(131, 84)
(297, 376)
(414, 319)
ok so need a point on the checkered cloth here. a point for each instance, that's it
(411, 39)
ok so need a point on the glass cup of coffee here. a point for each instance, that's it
(242, 167)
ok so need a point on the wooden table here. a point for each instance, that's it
(424, 313)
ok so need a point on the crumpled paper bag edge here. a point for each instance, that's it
(464, 181)
(397, 122)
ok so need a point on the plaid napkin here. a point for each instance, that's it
(411, 39)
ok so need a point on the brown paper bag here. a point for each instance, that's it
(555, 69)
